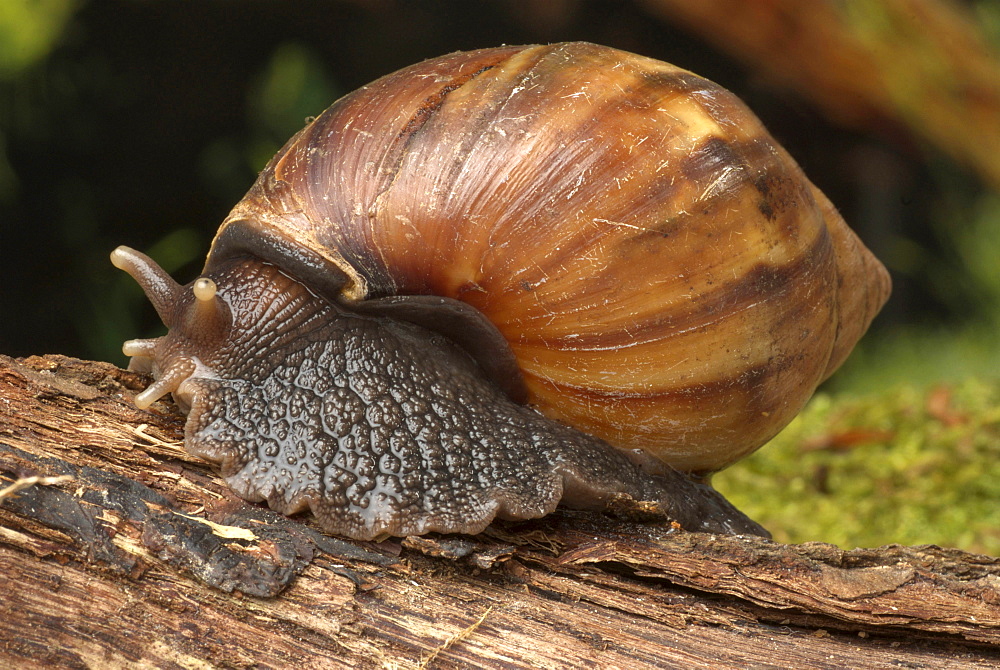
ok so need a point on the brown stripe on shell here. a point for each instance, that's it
(713, 155)
(433, 102)
(763, 282)
(748, 382)
(699, 428)
(760, 162)
(758, 165)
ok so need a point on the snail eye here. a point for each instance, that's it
(205, 289)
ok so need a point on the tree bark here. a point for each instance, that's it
(117, 549)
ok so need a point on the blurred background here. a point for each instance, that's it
(142, 122)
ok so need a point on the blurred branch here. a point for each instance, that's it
(921, 64)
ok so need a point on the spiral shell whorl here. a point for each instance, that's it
(665, 274)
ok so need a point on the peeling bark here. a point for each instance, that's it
(125, 550)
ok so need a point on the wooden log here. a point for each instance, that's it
(118, 549)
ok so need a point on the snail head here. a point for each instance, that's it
(216, 322)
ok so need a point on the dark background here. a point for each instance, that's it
(146, 121)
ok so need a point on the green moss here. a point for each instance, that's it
(911, 466)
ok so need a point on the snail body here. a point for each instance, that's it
(506, 277)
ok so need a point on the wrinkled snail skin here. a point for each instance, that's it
(506, 278)
(378, 426)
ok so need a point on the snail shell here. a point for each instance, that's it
(667, 277)
(618, 244)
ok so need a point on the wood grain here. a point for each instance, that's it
(144, 558)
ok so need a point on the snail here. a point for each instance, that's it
(503, 279)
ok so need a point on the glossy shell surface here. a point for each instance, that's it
(665, 274)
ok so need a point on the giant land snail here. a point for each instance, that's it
(505, 279)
